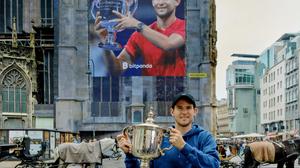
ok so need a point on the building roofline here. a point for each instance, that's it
(245, 55)
(287, 36)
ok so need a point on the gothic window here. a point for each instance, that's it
(14, 96)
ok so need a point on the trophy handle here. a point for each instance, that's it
(162, 151)
(166, 134)
(130, 6)
(134, 7)
(127, 131)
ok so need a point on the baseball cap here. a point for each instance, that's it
(185, 96)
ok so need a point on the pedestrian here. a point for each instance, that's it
(193, 147)
(161, 45)
(228, 152)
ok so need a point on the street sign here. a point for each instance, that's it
(197, 75)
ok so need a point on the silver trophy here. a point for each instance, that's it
(105, 7)
(146, 140)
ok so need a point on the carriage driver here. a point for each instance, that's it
(193, 147)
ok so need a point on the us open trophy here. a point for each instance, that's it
(105, 7)
(146, 140)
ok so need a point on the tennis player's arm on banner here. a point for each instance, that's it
(160, 40)
(113, 63)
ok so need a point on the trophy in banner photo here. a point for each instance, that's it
(105, 7)
(146, 140)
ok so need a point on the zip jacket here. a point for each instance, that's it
(198, 152)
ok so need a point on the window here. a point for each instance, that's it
(106, 96)
(280, 84)
(243, 76)
(45, 78)
(137, 117)
(47, 12)
(8, 10)
(166, 89)
(14, 95)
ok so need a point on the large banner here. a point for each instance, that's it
(151, 42)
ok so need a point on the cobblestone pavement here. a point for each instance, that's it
(113, 163)
(275, 165)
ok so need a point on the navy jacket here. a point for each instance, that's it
(198, 152)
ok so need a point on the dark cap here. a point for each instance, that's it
(184, 96)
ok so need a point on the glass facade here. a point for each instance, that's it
(244, 76)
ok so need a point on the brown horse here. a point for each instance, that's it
(285, 152)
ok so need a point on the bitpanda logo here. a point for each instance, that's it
(124, 65)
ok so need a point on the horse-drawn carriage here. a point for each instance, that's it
(229, 154)
(66, 154)
(86, 154)
(282, 153)
(20, 150)
(258, 152)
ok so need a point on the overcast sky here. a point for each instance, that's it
(249, 27)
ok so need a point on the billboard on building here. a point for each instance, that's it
(146, 53)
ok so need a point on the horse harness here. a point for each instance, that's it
(285, 153)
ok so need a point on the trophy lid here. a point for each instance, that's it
(150, 120)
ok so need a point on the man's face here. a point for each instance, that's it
(164, 8)
(183, 113)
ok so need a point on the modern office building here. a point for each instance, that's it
(292, 51)
(241, 95)
(280, 85)
(274, 92)
(273, 98)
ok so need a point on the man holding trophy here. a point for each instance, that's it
(193, 147)
(161, 44)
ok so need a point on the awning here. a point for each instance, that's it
(251, 135)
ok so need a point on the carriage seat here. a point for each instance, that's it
(26, 147)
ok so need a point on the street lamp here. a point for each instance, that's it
(91, 74)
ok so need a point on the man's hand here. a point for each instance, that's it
(124, 143)
(101, 32)
(176, 138)
(125, 22)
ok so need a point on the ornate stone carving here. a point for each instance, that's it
(9, 52)
(21, 57)
(14, 79)
(19, 68)
(213, 35)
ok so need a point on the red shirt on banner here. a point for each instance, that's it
(156, 61)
